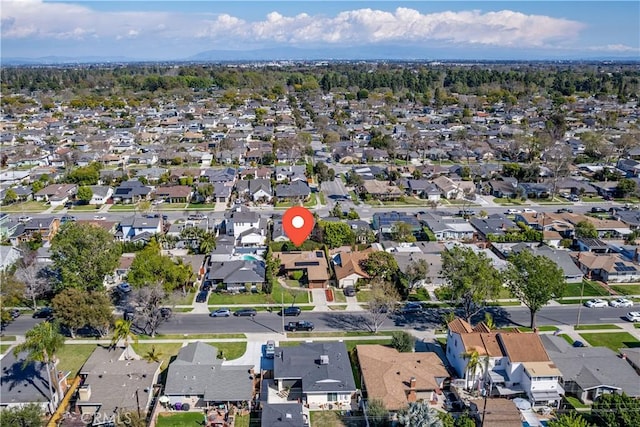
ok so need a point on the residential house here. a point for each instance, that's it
(115, 381)
(23, 193)
(631, 218)
(398, 379)
(318, 374)
(47, 227)
(562, 258)
(381, 190)
(596, 246)
(100, 194)
(137, 227)
(23, 382)
(423, 189)
(498, 412)
(57, 194)
(290, 173)
(222, 191)
(220, 175)
(608, 189)
(383, 222)
(284, 415)
(589, 372)
(312, 263)
(295, 191)
(574, 186)
(506, 187)
(493, 225)
(174, 193)
(516, 364)
(8, 256)
(236, 275)
(448, 188)
(197, 377)
(534, 190)
(8, 225)
(277, 233)
(630, 167)
(131, 191)
(610, 268)
(448, 228)
(246, 227)
(348, 268)
(256, 190)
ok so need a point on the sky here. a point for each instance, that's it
(178, 30)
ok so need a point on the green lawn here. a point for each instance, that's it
(178, 298)
(31, 206)
(420, 295)
(567, 338)
(173, 207)
(8, 338)
(338, 296)
(230, 350)
(591, 289)
(191, 336)
(505, 293)
(283, 204)
(327, 418)
(4, 347)
(592, 327)
(312, 202)
(323, 200)
(180, 419)
(334, 334)
(122, 208)
(573, 401)
(242, 420)
(83, 208)
(208, 206)
(290, 297)
(612, 340)
(633, 289)
(544, 328)
(165, 350)
(364, 295)
(73, 356)
(354, 197)
(589, 199)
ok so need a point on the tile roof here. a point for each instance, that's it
(350, 264)
(521, 347)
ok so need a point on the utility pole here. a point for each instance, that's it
(580, 306)
(282, 312)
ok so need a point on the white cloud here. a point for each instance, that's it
(615, 48)
(505, 28)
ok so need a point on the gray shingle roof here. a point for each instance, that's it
(303, 362)
(198, 371)
(22, 384)
(282, 415)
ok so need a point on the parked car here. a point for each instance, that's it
(512, 211)
(633, 316)
(528, 210)
(563, 210)
(466, 212)
(245, 312)
(67, 218)
(596, 303)
(221, 312)
(578, 344)
(621, 302)
(270, 349)
(202, 296)
(165, 312)
(14, 313)
(43, 313)
(124, 287)
(24, 219)
(291, 311)
(350, 291)
(302, 325)
(196, 217)
(597, 209)
(99, 217)
(411, 308)
(574, 198)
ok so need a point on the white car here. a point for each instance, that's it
(633, 316)
(99, 217)
(513, 211)
(528, 210)
(24, 219)
(596, 303)
(621, 302)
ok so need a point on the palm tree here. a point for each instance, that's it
(207, 243)
(153, 355)
(122, 331)
(41, 344)
(473, 363)
(489, 322)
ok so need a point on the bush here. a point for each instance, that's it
(402, 341)
(297, 275)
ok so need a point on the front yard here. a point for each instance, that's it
(31, 206)
(631, 289)
(73, 356)
(591, 289)
(612, 340)
(277, 295)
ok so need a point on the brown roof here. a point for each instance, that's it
(523, 347)
(351, 264)
(502, 413)
(386, 373)
(174, 191)
(313, 262)
(486, 344)
(459, 326)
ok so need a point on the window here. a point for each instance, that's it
(332, 397)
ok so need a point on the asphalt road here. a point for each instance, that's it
(193, 323)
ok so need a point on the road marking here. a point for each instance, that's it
(610, 318)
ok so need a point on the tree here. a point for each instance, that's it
(616, 410)
(76, 309)
(41, 344)
(10, 196)
(570, 419)
(462, 420)
(29, 415)
(148, 303)
(377, 413)
(122, 331)
(402, 341)
(625, 187)
(207, 243)
(474, 362)
(381, 265)
(272, 267)
(85, 194)
(35, 283)
(586, 229)
(402, 232)
(384, 297)
(337, 210)
(153, 355)
(534, 280)
(84, 254)
(416, 271)
(470, 278)
(337, 234)
(419, 414)
(149, 266)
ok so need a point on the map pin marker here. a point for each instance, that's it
(297, 223)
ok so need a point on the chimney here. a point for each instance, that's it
(411, 397)
(84, 393)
